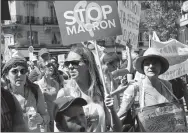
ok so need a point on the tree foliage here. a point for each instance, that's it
(161, 16)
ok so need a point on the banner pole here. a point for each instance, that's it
(149, 40)
(100, 68)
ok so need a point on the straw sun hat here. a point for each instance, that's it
(150, 53)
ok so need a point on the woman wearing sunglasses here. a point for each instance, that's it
(27, 93)
(49, 87)
(85, 82)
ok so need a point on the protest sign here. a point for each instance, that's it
(165, 117)
(87, 20)
(129, 13)
(177, 55)
(61, 58)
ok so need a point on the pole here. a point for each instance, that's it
(100, 68)
(149, 40)
(31, 43)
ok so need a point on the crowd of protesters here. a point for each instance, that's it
(45, 95)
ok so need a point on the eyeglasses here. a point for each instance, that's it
(74, 63)
(22, 71)
(49, 65)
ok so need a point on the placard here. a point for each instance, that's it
(87, 20)
(166, 117)
(177, 55)
(129, 12)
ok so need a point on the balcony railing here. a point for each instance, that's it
(19, 19)
(32, 20)
(50, 20)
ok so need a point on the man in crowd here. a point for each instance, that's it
(69, 115)
(35, 73)
(44, 55)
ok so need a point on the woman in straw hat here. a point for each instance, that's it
(150, 89)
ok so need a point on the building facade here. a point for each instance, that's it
(183, 37)
(33, 23)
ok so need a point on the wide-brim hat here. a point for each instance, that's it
(150, 53)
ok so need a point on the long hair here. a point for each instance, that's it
(95, 80)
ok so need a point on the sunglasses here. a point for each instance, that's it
(49, 65)
(74, 63)
(22, 71)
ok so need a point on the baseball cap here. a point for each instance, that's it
(66, 101)
(108, 57)
(43, 51)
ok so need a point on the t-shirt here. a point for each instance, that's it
(94, 111)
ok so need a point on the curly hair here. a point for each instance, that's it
(89, 58)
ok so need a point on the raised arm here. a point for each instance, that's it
(127, 100)
(115, 121)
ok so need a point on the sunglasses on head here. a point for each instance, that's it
(22, 71)
(74, 63)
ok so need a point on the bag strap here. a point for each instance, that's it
(169, 91)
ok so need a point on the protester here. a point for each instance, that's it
(55, 61)
(49, 88)
(85, 82)
(11, 114)
(69, 114)
(57, 75)
(28, 94)
(44, 55)
(179, 87)
(35, 73)
(152, 90)
(62, 69)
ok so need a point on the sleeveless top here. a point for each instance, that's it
(141, 94)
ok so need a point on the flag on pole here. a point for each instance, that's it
(155, 37)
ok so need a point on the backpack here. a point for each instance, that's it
(178, 87)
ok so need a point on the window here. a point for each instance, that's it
(34, 37)
(30, 10)
(56, 38)
(9, 39)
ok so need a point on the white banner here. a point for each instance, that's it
(177, 55)
(129, 13)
